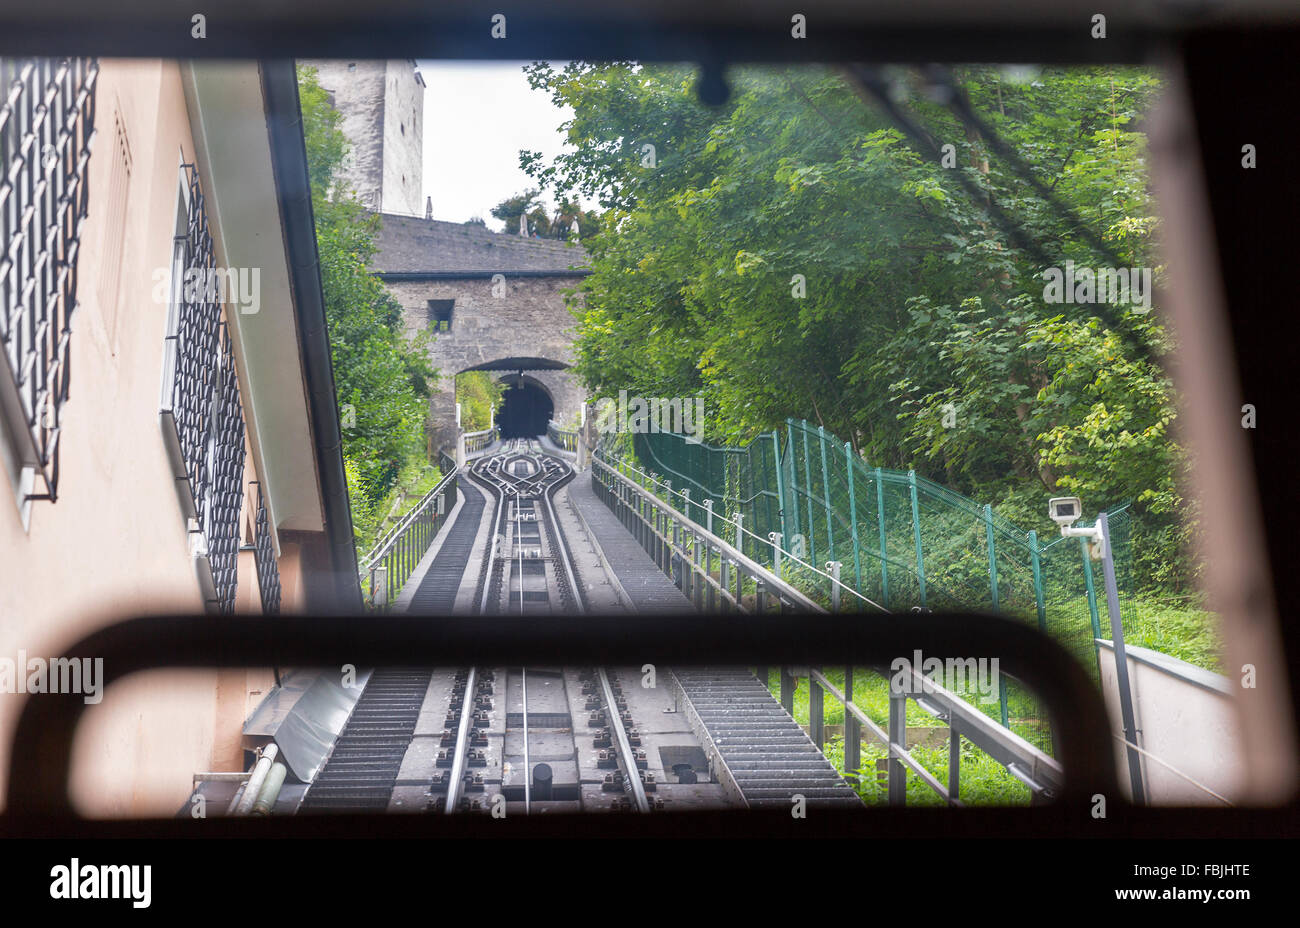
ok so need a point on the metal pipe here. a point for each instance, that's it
(270, 791)
(238, 776)
(257, 778)
(1121, 660)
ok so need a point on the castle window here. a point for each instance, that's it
(440, 315)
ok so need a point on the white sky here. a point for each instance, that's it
(477, 117)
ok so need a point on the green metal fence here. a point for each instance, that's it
(902, 541)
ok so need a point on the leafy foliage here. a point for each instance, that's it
(790, 253)
(381, 378)
(480, 397)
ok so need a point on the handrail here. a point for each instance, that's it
(564, 438)
(1034, 768)
(477, 441)
(838, 586)
(405, 544)
(786, 594)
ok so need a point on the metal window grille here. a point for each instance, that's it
(47, 119)
(268, 571)
(201, 401)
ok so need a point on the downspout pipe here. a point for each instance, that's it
(255, 782)
(293, 188)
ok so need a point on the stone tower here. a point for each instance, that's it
(382, 104)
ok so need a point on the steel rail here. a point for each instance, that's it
(625, 755)
(457, 774)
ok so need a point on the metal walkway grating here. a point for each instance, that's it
(768, 756)
(441, 583)
(362, 770)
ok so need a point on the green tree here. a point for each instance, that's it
(793, 253)
(382, 379)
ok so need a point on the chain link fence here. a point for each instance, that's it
(805, 498)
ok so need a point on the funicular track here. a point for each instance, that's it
(528, 570)
(559, 738)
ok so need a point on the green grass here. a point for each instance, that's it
(1185, 631)
(415, 480)
(983, 781)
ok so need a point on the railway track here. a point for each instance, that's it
(528, 740)
(528, 570)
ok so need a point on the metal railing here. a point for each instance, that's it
(563, 438)
(47, 120)
(476, 442)
(396, 555)
(691, 553)
(201, 409)
(716, 576)
(268, 571)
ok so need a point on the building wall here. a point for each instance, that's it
(530, 320)
(382, 105)
(357, 89)
(115, 543)
(403, 154)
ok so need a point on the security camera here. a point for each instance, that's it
(1065, 510)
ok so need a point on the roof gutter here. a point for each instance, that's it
(293, 185)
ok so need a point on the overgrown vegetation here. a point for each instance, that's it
(480, 398)
(381, 377)
(792, 254)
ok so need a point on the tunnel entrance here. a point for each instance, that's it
(526, 410)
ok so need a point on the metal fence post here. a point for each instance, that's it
(954, 763)
(776, 539)
(853, 517)
(1092, 602)
(897, 740)
(793, 486)
(816, 710)
(780, 488)
(834, 568)
(852, 732)
(916, 534)
(826, 494)
(1121, 660)
(1040, 597)
(880, 517)
(807, 482)
(996, 598)
(787, 690)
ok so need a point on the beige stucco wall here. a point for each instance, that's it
(115, 542)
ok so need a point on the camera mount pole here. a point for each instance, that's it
(1121, 660)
